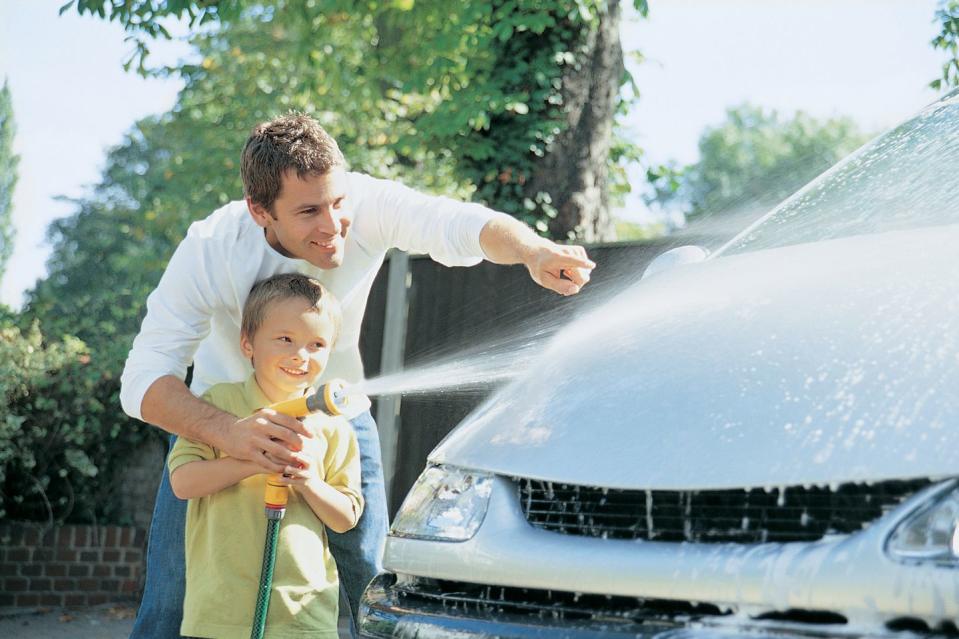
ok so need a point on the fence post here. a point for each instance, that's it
(391, 361)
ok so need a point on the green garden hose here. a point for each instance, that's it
(332, 400)
(266, 575)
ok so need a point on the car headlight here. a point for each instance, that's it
(930, 534)
(445, 504)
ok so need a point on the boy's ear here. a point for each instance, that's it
(246, 346)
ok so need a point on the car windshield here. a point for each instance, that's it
(907, 178)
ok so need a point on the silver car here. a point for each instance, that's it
(762, 443)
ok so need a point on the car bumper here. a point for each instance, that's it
(388, 612)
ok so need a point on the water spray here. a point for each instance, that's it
(334, 400)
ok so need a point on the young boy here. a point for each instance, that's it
(288, 326)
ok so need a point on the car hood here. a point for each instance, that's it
(816, 364)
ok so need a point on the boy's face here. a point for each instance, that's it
(290, 349)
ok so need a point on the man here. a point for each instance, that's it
(304, 212)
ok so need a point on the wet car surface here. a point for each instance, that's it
(763, 443)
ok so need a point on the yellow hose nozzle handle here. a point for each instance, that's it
(277, 494)
(330, 399)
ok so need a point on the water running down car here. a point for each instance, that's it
(762, 443)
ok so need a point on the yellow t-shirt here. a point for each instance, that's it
(226, 532)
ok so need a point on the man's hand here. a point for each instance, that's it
(564, 269)
(169, 404)
(271, 440)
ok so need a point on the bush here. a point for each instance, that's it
(63, 439)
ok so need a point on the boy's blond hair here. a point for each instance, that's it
(287, 286)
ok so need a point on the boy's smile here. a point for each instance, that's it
(290, 348)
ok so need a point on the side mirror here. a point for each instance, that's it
(675, 257)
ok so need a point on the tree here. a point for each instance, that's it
(948, 40)
(757, 158)
(518, 95)
(8, 175)
(432, 128)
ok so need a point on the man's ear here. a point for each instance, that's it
(259, 213)
(246, 346)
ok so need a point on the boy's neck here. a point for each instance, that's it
(276, 396)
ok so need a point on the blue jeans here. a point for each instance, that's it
(358, 552)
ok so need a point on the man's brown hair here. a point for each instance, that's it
(290, 142)
(283, 287)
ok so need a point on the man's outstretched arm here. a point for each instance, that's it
(560, 268)
(454, 233)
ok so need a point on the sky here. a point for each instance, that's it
(867, 59)
(72, 101)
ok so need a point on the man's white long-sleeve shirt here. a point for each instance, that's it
(193, 315)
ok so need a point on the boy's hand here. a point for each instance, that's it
(271, 440)
(309, 468)
(306, 472)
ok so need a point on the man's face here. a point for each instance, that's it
(310, 219)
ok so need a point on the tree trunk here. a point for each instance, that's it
(575, 170)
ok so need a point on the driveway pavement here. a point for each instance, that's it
(100, 622)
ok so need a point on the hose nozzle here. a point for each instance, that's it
(335, 398)
(332, 398)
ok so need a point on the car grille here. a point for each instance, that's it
(792, 513)
(473, 599)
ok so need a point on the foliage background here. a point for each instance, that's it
(461, 103)
(751, 161)
(464, 103)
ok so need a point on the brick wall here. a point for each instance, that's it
(69, 565)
